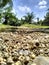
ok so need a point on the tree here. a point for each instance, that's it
(37, 19)
(46, 20)
(40, 22)
(28, 18)
(5, 6)
(5, 2)
(10, 18)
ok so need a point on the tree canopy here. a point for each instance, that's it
(5, 2)
(29, 17)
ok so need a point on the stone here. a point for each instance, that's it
(9, 60)
(41, 50)
(1, 59)
(33, 64)
(27, 58)
(3, 63)
(18, 63)
(32, 55)
(5, 55)
(22, 58)
(41, 60)
(35, 41)
(24, 52)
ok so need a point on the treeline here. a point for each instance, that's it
(9, 18)
(45, 21)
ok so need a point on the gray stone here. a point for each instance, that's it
(41, 60)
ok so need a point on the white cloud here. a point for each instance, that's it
(24, 8)
(43, 2)
(41, 7)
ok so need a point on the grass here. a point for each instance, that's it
(4, 26)
(33, 26)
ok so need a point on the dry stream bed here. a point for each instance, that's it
(24, 47)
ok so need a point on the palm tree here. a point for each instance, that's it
(29, 17)
(5, 2)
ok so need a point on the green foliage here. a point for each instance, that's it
(5, 2)
(10, 19)
(40, 22)
(46, 20)
(33, 26)
(28, 18)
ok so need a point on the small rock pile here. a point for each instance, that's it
(23, 48)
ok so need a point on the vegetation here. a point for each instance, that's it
(46, 20)
(3, 3)
(33, 26)
(11, 19)
(28, 18)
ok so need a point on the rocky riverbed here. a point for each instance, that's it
(23, 48)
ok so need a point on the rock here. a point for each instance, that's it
(28, 37)
(22, 58)
(32, 55)
(41, 60)
(43, 45)
(41, 50)
(24, 52)
(27, 58)
(3, 63)
(1, 59)
(0, 53)
(35, 41)
(5, 55)
(18, 63)
(9, 60)
(0, 39)
(33, 64)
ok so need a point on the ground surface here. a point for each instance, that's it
(23, 45)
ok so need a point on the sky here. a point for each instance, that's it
(38, 7)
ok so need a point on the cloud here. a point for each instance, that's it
(42, 4)
(41, 7)
(24, 9)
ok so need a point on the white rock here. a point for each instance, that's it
(18, 63)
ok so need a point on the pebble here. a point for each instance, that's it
(32, 56)
(15, 49)
(33, 64)
(18, 63)
(22, 58)
(9, 60)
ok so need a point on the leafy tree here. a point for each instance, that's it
(46, 20)
(40, 22)
(37, 19)
(28, 18)
(5, 2)
(5, 6)
(10, 18)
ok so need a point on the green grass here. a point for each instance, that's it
(33, 26)
(4, 26)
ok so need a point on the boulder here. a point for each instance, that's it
(41, 60)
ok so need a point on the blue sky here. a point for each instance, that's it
(38, 7)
